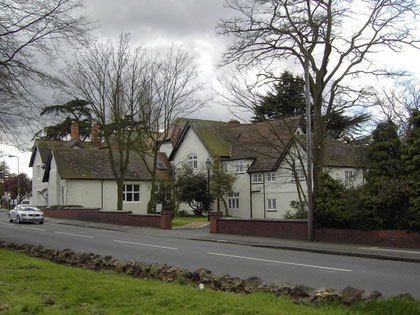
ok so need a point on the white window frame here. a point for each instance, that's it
(192, 161)
(239, 167)
(233, 201)
(271, 177)
(225, 167)
(130, 192)
(271, 204)
(257, 178)
(300, 174)
(348, 175)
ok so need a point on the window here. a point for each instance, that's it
(225, 167)
(271, 177)
(233, 201)
(131, 193)
(348, 175)
(300, 173)
(239, 166)
(192, 161)
(257, 178)
(271, 204)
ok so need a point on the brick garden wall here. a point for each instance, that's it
(297, 229)
(162, 221)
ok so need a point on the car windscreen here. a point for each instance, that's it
(29, 209)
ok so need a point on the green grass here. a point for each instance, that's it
(180, 221)
(35, 286)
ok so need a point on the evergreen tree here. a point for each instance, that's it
(411, 159)
(386, 190)
(75, 110)
(288, 99)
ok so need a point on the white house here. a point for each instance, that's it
(267, 158)
(79, 173)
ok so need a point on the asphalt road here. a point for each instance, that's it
(314, 270)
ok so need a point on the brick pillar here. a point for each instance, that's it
(213, 220)
(166, 220)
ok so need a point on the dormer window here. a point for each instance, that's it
(192, 161)
(239, 166)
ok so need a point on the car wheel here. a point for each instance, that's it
(10, 218)
(18, 220)
(41, 222)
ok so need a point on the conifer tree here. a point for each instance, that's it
(411, 159)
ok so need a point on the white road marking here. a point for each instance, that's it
(32, 228)
(280, 262)
(78, 235)
(391, 250)
(148, 245)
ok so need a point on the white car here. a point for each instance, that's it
(26, 213)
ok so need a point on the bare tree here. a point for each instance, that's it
(29, 30)
(334, 39)
(172, 94)
(398, 103)
(115, 79)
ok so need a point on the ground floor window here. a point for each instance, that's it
(271, 204)
(131, 192)
(233, 201)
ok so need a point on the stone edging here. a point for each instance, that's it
(201, 278)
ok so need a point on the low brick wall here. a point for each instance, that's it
(291, 229)
(387, 238)
(297, 230)
(163, 221)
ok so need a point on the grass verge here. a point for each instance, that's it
(180, 221)
(36, 286)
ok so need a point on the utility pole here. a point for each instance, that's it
(309, 151)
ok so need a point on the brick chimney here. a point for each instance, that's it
(74, 131)
(94, 135)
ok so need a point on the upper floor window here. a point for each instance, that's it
(192, 161)
(239, 166)
(257, 177)
(300, 173)
(271, 177)
(131, 192)
(348, 175)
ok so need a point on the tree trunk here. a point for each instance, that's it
(226, 207)
(120, 183)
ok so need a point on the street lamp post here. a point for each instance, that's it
(18, 181)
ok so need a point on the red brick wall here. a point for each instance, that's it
(114, 217)
(297, 229)
(291, 229)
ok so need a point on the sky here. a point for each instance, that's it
(190, 23)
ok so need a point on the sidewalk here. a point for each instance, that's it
(202, 234)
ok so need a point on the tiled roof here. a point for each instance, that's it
(95, 164)
(265, 142)
(340, 154)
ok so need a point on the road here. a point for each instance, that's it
(314, 270)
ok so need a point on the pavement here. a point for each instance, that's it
(199, 231)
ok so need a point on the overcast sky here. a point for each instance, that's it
(190, 23)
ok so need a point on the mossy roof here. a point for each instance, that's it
(95, 164)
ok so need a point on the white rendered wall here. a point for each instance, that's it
(37, 185)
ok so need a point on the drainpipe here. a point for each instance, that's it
(264, 194)
(102, 195)
(250, 196)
